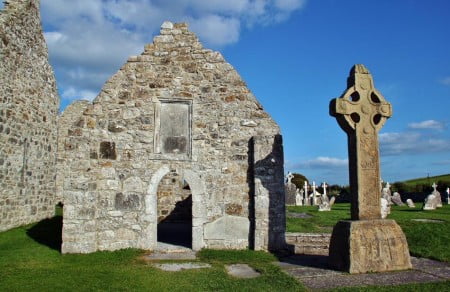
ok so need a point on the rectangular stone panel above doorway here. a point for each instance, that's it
(173, 132)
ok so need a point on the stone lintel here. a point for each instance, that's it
(368, 246)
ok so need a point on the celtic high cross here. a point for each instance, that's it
(361, 112)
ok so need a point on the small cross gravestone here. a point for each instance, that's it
(366, 243)
(307, 200)
(324, 186)
(290, 190)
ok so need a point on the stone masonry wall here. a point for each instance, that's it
(28, 112)
(176, 108)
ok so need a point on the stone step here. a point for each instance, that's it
(165, 251)
(308, 243)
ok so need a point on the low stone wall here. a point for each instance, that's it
(308, 243)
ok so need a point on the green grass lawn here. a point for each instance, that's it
(30, 260)
(425, 239)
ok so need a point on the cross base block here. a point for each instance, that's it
(364, 246)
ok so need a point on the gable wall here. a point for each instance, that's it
(108, 202)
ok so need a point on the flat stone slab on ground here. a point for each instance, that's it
(242, 271)
(314, 273)
(175, 267)
(298, 215)
(171, 256)
(165, 251)
(428, 220)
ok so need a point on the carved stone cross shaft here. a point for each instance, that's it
(361, 112)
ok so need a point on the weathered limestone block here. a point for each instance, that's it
(133, 184)
(370, 245)
(227, 228)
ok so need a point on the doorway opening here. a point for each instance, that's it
(174, 201)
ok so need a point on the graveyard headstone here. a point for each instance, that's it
(385, 208)
(299, 198)
(437, 195)
(397, 199)
(290, 190)
(410, 203)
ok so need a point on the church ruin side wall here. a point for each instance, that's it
(28, 112)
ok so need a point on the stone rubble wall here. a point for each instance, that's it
(308, 243)
(28, 115)
(112, 167)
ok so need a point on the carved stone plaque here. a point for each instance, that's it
(175, 132)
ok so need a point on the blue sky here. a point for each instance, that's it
(295, 56)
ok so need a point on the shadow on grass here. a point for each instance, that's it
(410, 210)
(313, 261)
(48, 232)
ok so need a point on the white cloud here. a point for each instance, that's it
(411, 143)
(428, 124)
(88, 40)
(71, 93)
(445, 81)
(289, 5)
(321, 162)
(216, 29)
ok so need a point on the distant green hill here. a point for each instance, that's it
(423, 184)
(431, 179)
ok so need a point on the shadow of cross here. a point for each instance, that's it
(361, 112)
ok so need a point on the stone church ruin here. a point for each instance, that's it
(29, 106)
(174, 141)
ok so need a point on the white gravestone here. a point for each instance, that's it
(386, 193)
(437, 196)
(316, 196)
(299, 198)
(324, 186)
(430, 202)
(385, 208)
(410, 203)
(305, 187)
(448, 196)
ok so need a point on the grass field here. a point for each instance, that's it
(425, 239)
(30, 259)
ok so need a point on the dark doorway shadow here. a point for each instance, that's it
(48, 232)
(176, 228)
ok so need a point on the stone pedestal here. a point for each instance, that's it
(363, 246)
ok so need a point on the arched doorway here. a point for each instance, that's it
(197, 189)
(174, 211)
